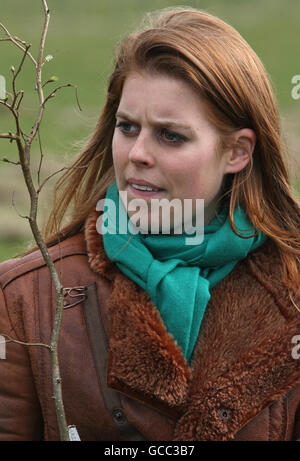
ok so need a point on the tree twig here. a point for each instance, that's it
(15, 75)
(40, 162)
(56, 172)
(14, 206)
(59, 88)
(12, 340)
(24, 149)
(6, 160)
(39, 86)
(8, 136)
(16, 41)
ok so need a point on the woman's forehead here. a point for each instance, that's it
(162, 99)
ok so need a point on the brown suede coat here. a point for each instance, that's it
(243, 382)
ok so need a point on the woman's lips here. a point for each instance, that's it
(142, 182)
(145, 193)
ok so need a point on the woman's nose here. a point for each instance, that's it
(140, 151)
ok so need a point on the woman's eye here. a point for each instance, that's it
(126, 127)
(171, 137)
(168, 136)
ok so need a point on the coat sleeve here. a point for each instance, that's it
(20, 413)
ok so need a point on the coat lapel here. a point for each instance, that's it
(144, 361)
(242, 361)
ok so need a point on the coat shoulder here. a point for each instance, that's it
(266, 268)
(14, 268)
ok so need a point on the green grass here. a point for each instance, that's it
(81, 38)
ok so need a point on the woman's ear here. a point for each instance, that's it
(239, 155)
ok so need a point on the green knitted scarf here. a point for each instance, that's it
(179, 277)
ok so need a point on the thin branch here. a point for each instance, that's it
(14, 206)
(38, 84)
(9, 136)
(15, 75)
(51, 95)
(40, 162)
(56, 379)
(24, 149)
(76, 95)
(21, 92)
(50, 80)
(48, 177)
(9, 107)
(12, 340)
(43, 37)
(16, 41)
(59, 171)
(6, 160)
(16, 117)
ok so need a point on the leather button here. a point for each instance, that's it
(119, 416)
(224, 414)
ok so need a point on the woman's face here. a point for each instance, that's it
(163, 140)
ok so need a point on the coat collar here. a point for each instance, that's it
(242, 361)
(144, 360)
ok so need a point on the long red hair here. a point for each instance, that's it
(215, 60)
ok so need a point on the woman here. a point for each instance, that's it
(162, 338)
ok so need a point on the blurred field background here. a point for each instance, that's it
(81, 38)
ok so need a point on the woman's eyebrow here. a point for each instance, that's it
(161, 122)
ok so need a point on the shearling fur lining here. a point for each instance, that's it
(242, 360)
(258, 379)
(144, 358)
